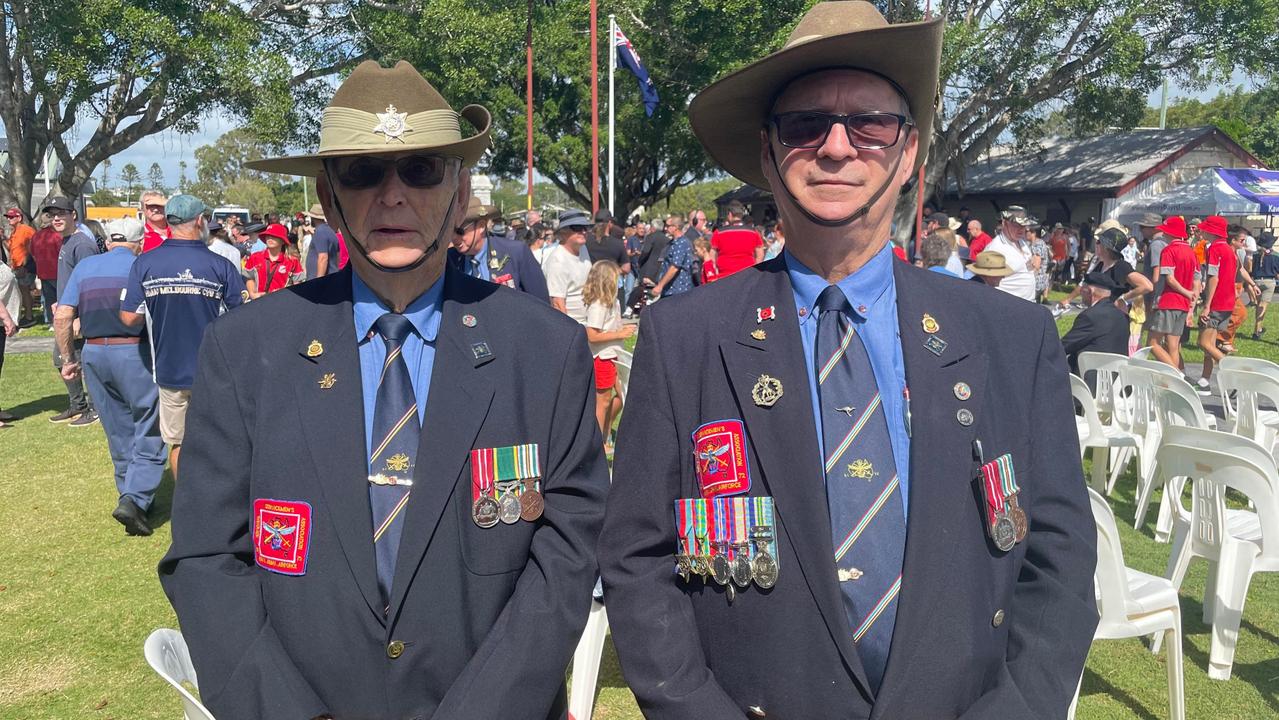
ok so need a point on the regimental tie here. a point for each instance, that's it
(868, 526)
(396, 431)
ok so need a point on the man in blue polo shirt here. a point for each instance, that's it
(117, 370)
(182, 286)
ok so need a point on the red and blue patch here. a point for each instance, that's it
(719, 450)
(282, 535)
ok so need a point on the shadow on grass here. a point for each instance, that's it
(1264, 675)
(162, 504)
(1095, 684)
(49, 403)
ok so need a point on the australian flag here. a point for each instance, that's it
(628, 58)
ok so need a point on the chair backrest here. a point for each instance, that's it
(1176, 402)
(1161, 367)
(1214, 461)
(1143, 353)
(1082, 395)
(166, 653)
(1251, 390)
(1106, 365)
(1249, 364)
(1137, 390)
(623, 365)
(1110, 575)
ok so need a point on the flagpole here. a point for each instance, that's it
(612, 65)
(528, 92)
(595, 110)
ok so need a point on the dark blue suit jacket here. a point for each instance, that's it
(515, 260)
(1101, 328)
(489, 618)
(979, 633)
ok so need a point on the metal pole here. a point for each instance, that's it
(595, 109)
(919, 202)
(528, 94)
(612, 64)
(306, 201)
(1163, 105)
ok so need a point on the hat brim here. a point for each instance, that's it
(469, 149)
(489, 214)
(1004, 272)
(729, 114)
(1174, 232)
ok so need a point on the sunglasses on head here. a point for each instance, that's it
(866, 130)
(416, 171)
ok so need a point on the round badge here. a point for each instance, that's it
(1004, 532)
(964, 416)
(962, 391)
(764, 568)
(468, 320)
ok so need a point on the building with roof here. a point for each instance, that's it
(1070, 180)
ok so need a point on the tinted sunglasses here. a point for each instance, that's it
(416, 171)
(155, 208)
(866, 131)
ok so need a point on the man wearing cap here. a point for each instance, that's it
(221, 245)
(567, 265)
(156, 229)
(1179, 271)
(488, 257)
(736, 246)
(22, 262)
(432, 555)
(271, 269)
(322, 255)
(1011, 243)
(1102, 326)
(178, 289)
(782, 457)
(117, 369)
(607, 242)
(77, 244)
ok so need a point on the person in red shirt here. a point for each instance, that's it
(977, 239)
(155, 229)
(1180, 271)
(46, 244)
(736, 246)
(1223, 266)
(710, 270)
(271, 269)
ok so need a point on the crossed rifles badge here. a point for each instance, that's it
(767, 391)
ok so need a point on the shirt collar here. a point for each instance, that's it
(424, 312)
(864, 288)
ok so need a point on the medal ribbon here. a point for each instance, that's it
(722, 528)
(683, 520)
(516, 462)
(994, 490)
(481, 473)
(1006, 476)
(764, 516)
(700, 529)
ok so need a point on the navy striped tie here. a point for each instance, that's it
(868, 526)
(391, 459)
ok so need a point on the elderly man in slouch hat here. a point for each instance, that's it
(433, 555)
(849, 497)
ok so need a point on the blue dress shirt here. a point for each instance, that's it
(873, 296)
(483, 257)
(418, 350)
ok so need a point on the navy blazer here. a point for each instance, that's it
(979, 633)
(515, 260)
(1100, 328)
(488, 618)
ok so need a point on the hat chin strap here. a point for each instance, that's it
(857, 215)
(426, 254)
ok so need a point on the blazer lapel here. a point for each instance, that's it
(942, 462)
(785, 442)
(325, 372)
(458, 403)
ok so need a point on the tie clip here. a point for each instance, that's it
(381, 479)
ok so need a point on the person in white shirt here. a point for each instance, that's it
(566, 266)
(607, 335)
(1011, 243)
(219, 244)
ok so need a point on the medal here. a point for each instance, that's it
(740, 563)
(1008, 479)
(720, 570)
(484, 510)
(684, 543)
(531, 502)
(763, 566)
(767, 391)
(1004, 532)
(701, 540)
(1020, 522)
(509, 502)
(683, 566)
(997, 481)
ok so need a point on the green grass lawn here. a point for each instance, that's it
(78, 597)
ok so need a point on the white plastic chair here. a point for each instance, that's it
(623, 365)
(1236, 543)
(586, 663)
(1095, 434)
(1106, 365)
(166, 653)
(1247, 364)
(1252, 389)
(1136, 385)
(1132, 604)
(1143, 353)
(1175, 404)
(1156, 365)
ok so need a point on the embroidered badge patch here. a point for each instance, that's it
(719, 448)
(282, 535)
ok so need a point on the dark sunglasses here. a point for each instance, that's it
(866, 131)
(155, 208)
(416, 171)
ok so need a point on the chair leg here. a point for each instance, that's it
(1074, 702)
(1176, 680)
(1099, 457)
(586, 664)
(1163, 524)
(1119, 462)
(1234, 573)
(1210, 592)
(1145, 489)
(1178, 562)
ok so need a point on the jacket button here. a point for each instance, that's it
(998, 619)
(395, 649)
(756, 711)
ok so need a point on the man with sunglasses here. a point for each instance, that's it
(787, 535)
(431, 553)
(489, 257)
(77, 245)
(155, 224)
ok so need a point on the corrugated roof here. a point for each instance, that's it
(1101, 162)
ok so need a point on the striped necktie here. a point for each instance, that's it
(396, 431)
(868, 526)
(473, 267)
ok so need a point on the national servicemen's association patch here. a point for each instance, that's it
(282, 535)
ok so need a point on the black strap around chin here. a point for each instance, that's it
(842, 221)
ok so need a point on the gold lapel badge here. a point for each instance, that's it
(930, 324)
(328, 381)
(759, 334)
(767, 391)
(315, 349)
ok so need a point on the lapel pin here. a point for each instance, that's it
(315, 349)
(935, 345)
(964, 416)
(327, 381)
(930, 324)
(847, 410)
(861, 310)
(764, 313)
(767, 391)
(468, 320)
(803, 312)
(481, 350)
(759, 334)
(962, 391)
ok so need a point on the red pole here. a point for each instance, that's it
(595, 114)
(528, 92)
(919, 202)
